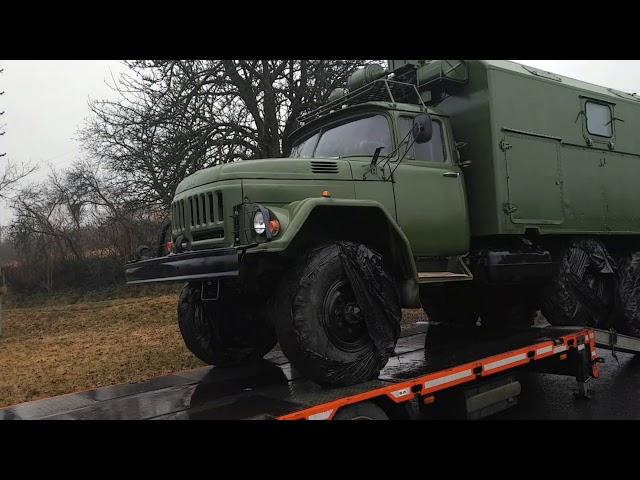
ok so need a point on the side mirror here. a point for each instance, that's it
(422, 128)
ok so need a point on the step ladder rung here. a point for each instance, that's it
(440, 274)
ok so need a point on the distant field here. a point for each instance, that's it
(55, 349)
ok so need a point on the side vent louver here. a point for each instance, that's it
(324, 167)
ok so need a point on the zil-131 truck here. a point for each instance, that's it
(482, 191)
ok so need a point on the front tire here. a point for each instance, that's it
(322, 328)
(227, 332)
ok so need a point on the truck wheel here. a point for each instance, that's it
(628, 294)
(581, 290)
(361, 411)
(452, 304)
(322, 328)
(226, 332)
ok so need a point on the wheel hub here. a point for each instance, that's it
(343, 319)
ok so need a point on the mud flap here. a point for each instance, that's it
(582, 290)
(376, 294)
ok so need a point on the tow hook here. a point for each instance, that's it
(210, 291)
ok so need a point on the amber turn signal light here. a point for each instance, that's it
(326, 194)
(274, 226)
(429, 400)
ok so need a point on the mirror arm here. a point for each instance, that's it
(397, 149)
(400, 160)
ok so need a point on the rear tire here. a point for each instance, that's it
(581, 291)
(628, 294)
(361, 411)
(226, 332)
(320, 325)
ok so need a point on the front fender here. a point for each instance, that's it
(343, 219)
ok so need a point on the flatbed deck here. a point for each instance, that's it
(272, 389)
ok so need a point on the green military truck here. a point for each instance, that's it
(481, 191)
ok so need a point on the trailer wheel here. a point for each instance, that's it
(226, 332)
(452, 304)
(321, 326)
(361, 411)
(628, 294)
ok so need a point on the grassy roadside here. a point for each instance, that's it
(50, 349)
(69, 297)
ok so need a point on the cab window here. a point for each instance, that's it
(431, 151)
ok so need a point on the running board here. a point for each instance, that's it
(459, 273)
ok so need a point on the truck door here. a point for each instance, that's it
(533, 179)
(430, 198)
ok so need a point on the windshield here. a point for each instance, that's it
(354, 137)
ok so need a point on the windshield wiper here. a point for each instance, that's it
(374, 160)
(387, 158)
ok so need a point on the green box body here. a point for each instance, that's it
(534, 164)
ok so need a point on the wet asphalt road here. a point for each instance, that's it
(615, 395)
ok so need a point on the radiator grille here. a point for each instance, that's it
(196, 212)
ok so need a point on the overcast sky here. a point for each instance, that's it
(45, 102)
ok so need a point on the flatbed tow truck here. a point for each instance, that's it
(470, 374)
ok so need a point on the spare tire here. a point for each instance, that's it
(581, 290)
(628, 294)
(509, 306)
(227, 332)
(338, 314)
(453, 304)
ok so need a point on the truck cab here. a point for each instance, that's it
(420, 185)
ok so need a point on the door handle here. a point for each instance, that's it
(451, 174)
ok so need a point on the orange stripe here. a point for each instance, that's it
(422, 381)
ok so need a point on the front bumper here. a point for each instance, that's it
(187, 266)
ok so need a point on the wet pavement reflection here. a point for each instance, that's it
(615, 395)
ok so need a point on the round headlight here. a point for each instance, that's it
(258, 223)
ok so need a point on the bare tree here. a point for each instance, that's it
(77, 220)
(2, 124)
(175, 117)
(171, 118)
(13, 172)
(119, 220)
